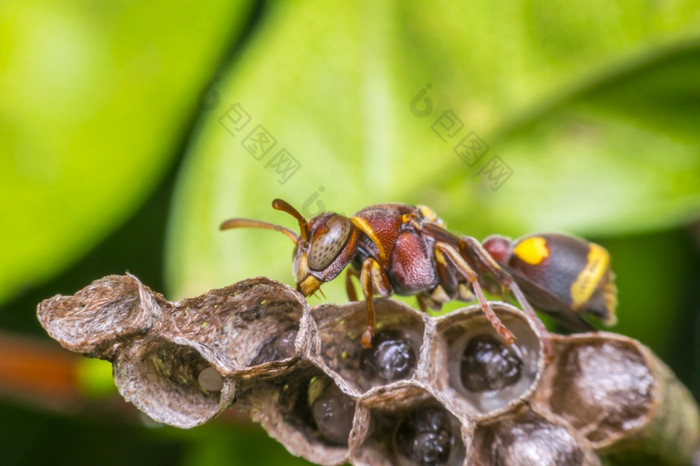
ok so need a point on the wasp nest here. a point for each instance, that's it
(430, 391)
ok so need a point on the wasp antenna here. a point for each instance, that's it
(284, 206)
(249, 223)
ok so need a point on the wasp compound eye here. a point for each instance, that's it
(393, 358)
(327, 246)
(425, 437)
(490, 364)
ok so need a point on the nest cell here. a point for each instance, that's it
(411, 430)
(396, 345)
(171, 383)
(473, 366)
(525, 438)
(252, 323)
(304, 409)
(94, 319)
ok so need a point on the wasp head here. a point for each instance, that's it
(323, 248)
(326, 245)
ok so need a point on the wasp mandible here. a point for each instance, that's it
(401, 249)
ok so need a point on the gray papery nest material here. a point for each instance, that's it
(430, 391)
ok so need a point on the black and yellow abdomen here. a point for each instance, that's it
(563, 273)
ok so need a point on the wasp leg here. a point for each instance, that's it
(349, 286)
(373, 279)
(443, 250)
(421, 303)
(428, 301)
(505, 279)
(433, 299)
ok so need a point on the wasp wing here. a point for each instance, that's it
(538, 296)
(547, 302)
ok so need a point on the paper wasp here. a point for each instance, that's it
(401, 249)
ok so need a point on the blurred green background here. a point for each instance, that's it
(130, 130)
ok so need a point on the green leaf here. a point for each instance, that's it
(652, 271)
(619, 155)
(592, 106)
(218, 444)
(93, 99)
(95, 378)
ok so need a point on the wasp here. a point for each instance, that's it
(406, 250)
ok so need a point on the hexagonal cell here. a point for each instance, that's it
(622, 397)
(331, 409)
(603, 387)
(241, 327)
(171, 383)
(475, 369)
(92, 320)
(395, 347)
(526, 438)
(411, 428)
(304, 409)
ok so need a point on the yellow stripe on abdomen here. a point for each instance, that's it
(590, 277)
